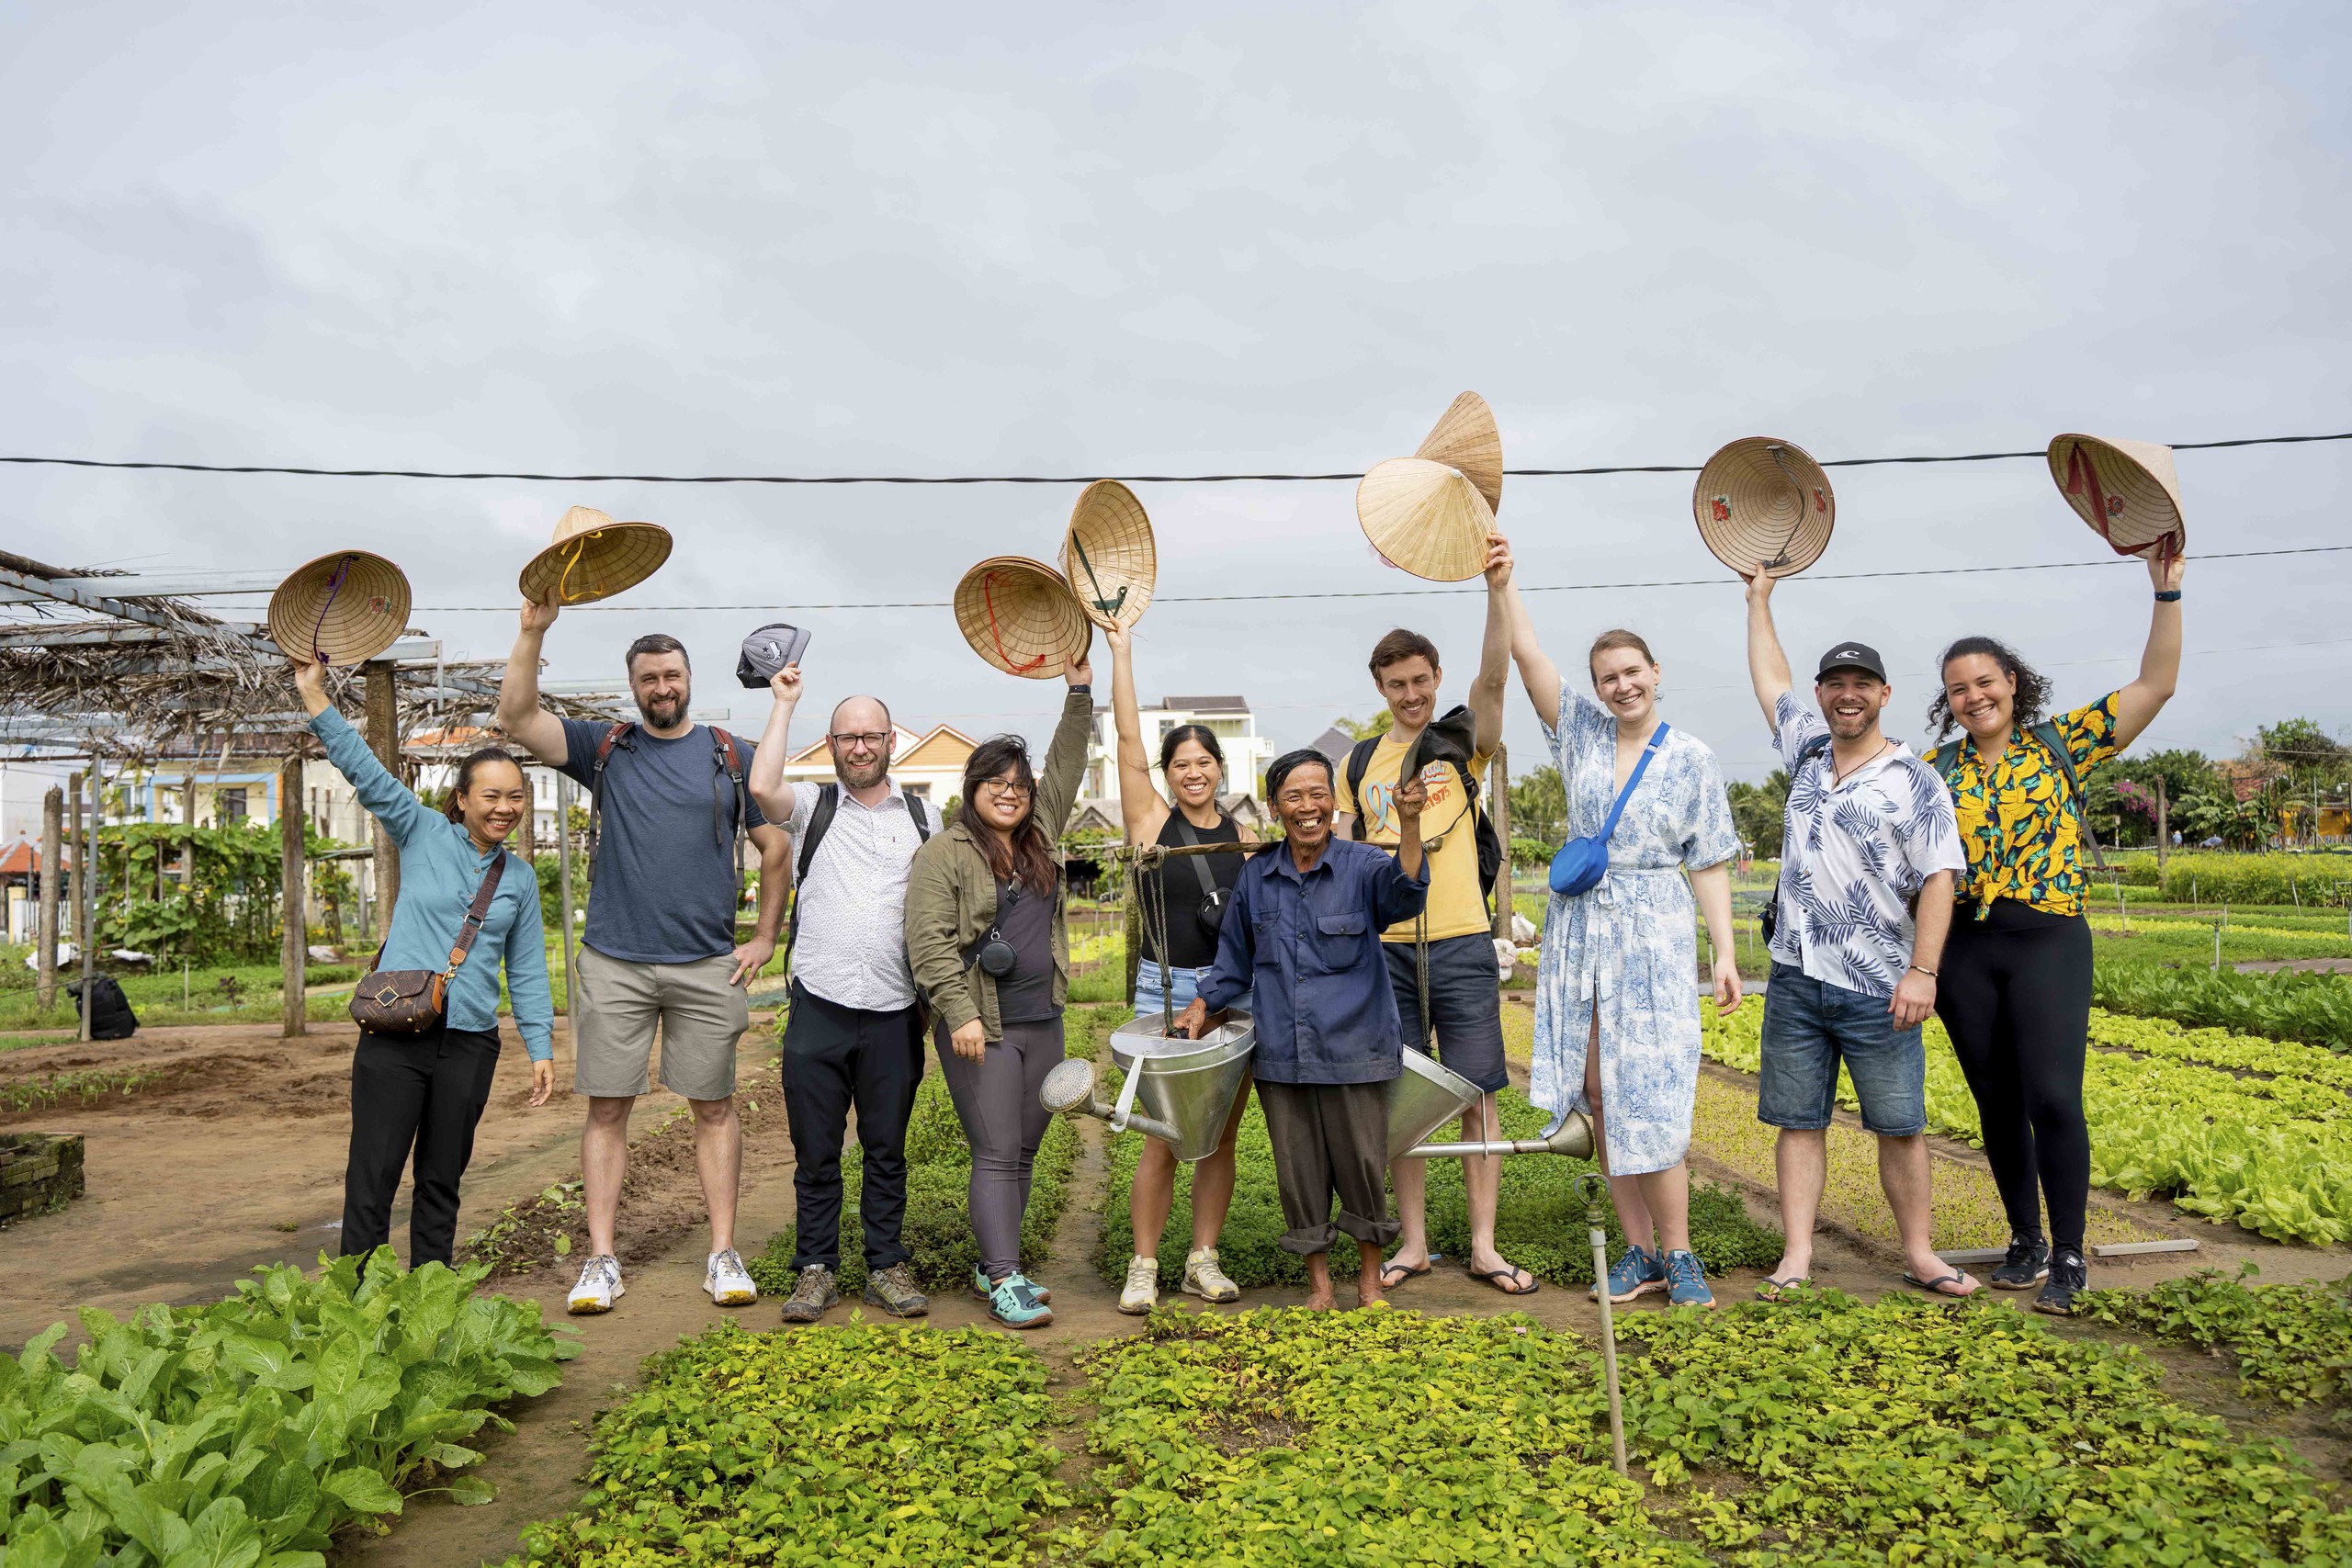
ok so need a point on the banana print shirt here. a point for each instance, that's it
(2021, 830)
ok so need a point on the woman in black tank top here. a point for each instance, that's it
(1193, 889)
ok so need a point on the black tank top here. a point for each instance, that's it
(1191, 945)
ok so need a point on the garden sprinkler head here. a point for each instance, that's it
(1067, 1086)
(1594, 1189)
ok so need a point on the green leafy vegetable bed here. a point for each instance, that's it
(2283, 1005)
(1540, 1225)
(248, 1432)
(2293, 1342)
(1815, 1432)
(834, 1444)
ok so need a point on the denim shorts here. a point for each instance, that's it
(1183, 984)
(1466, 1005)
(1809, 1027)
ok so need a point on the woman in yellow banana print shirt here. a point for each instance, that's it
(2015, 991)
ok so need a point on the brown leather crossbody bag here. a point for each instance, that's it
(413, 1001)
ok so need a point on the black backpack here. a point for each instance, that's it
(110, 1014)
(1490, 846)
(829, 804)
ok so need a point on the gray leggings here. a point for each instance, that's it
(996, 1099)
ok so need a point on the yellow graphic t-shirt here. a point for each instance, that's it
(1457, 906)
(2018, 821)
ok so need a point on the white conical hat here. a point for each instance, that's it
(1762, 501)
(595, 557)
(1020, 616)
(2127, 490)
(344, 608)
(1108, 555)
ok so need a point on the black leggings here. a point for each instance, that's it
(424, 1095)
(2015, 995)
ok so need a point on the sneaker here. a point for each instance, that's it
(2026, 1265)
(1141, 1293)
(1687, 1281)
(599, 1285)
(1203, 1279)
(1637, 1273)
(2068, 1276)
(893, 1289)
(1015, 1303)
(982, 1290)
(729, 1282)
(810, 1297)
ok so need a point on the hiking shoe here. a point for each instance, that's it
(1141, 1293)
(982, 1290)
(810, 1297)
(1687, 1281)
(2068, 1276)
(2026, 1265)
(1203, 1279)
(599, 1285)
(893, 1289)
(1636, 1273)
(729, 1282)
(1015, 1303)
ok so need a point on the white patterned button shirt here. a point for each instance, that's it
(852, 948)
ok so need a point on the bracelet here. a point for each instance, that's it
(2168, 596)
(1925, 970)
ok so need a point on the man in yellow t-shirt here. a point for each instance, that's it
(1464, 979)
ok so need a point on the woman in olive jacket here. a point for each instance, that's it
(986, 941)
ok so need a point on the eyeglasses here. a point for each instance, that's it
(872, 742)
(1004, 791)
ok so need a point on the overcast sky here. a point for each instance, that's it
(925, 240)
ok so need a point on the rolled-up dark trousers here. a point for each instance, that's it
(424, 1093)
(1329, 1138)
(837, 1058)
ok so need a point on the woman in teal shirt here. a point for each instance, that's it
(425, 1093)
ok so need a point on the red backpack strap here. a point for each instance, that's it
(614, 736)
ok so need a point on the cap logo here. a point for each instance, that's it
(2115, 506)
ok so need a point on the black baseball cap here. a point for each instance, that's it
(1852, 656)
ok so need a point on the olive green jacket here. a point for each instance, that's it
(951, 892)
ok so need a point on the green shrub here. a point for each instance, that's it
(2283, 1005)
(253, 1429)
(2293, 1342)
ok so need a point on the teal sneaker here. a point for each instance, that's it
(1015, 1303)
(981, 1290)
(1687, 1282)
(1637, 1273)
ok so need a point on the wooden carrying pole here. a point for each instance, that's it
(293, 911)
(563, 880)
(1499, 812)
(52, 880)
(84, 875)
(383, 738)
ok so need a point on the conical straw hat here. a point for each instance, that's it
(1427, 518)
(1020, 616)
(1108, 556)
(595, 557)
(340, 609)
(1764, 501)
(1466, 439)
(2129, 490)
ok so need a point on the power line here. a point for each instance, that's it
(1408, 593)
(1036, 478)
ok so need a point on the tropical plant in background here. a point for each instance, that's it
(202, 895)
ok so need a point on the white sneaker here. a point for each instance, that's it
(727, 1282)
(599, 1285)
(1203, 1279)
(1142, 1292)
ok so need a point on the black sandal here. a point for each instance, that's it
(1511, 1271)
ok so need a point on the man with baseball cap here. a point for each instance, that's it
(1868, 858)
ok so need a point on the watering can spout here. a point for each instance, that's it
(1069, 1089)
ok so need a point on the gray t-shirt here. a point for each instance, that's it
(1026, 920)
(666, 876)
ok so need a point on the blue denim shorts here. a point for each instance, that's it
(1466, 1005)
(1183, 984)
(1809, 1027)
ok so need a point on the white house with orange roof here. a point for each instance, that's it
(929, 764)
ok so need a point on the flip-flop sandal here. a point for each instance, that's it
(1403, 1273)
(1511, 1271)
(1936, 1287)
(1778, 1290)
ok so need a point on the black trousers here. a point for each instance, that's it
(2015, 995)
(835, 1059)
(423, 1092)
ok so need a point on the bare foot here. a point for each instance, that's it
(1321, 1300)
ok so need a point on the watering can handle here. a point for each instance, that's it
(1126, 1095)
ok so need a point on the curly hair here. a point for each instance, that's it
(1028, 858)
(2033, 689)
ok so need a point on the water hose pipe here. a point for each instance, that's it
(1594, 1190)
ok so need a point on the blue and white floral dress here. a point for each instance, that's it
(1631, 941)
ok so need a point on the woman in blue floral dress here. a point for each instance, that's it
(1616, 998)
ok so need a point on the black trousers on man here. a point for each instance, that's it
(425, 1093)
(838, 1058)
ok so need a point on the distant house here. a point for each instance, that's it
(1334, 743)
(1100, 814)
(1228, 718)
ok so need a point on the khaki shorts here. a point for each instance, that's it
(700, 1016)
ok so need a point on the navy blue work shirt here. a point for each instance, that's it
(1310, 946)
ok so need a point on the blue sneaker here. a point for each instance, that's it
(1014, 1304)
(1636, 1273)
(982, 1290)
(1687, 1282)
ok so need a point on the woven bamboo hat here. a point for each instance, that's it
(595, 557)
(1108, 556)
(1761, 500)
(1466, 439)
(340, 609)
(1020, 616)
(2129, 490)
(1427, 518)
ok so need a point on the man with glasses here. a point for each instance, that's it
(854, 1038)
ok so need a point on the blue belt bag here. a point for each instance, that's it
(1581, 863)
